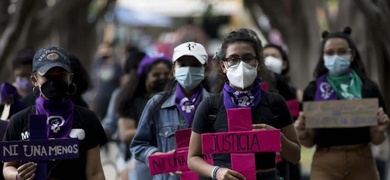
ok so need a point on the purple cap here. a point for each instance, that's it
(145, 63)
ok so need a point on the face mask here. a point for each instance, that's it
(274, 64)
(337, 65)
(159, 85)
(241, 76)
(24, 83)
(189, 77)
(55, 89)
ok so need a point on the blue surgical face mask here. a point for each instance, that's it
(189, 77)
(337, 65)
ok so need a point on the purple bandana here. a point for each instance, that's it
(60, 116)
(324, 90)
(237, 99)
(187, 107)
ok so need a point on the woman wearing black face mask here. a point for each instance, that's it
(52, 76)
(152, 76)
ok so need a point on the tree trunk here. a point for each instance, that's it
(298, 24)
(378, 40)
(4, 16)
(36, 25)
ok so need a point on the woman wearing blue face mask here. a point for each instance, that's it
(174, 109)
(342, 153)
(241, 64)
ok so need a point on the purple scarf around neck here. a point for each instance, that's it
(324, 91)
(236, 99)
(60, 116)
(185, 106)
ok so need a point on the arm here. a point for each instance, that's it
(291, 148)
(306, 135)
(109, 122)
(144, 142)
(25, 171)
(195, 157)
(94, 169)
(127, 129)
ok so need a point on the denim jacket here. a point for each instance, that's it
(157, 133)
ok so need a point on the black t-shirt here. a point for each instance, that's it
(326, 137)
(137, 107)
(272, 110)
(70, 168)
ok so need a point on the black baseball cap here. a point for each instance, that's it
(47, 58)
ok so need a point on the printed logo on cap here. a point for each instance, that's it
(52, 56)
(191, 46)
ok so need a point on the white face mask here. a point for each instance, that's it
(241, 76)
(274, 64)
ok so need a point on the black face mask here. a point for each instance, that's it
(55, 89)
(159, 85)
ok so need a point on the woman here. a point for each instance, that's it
(276, 60)
(52, 76)
(172, 110)
(153, 74)
(241, 61)
(342, 153)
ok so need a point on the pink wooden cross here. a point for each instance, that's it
(177, 160)
(241, 142)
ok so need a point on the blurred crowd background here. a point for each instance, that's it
(103, 34)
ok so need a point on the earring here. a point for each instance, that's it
(74, 88)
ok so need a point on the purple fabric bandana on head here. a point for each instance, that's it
(60, 116)
(6, 91)
(236, 99)
(324, 91)
(187, 107)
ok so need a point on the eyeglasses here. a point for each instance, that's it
(235, 61)
(340, 52)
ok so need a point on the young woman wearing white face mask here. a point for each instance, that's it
(174, 109)
(277, 61)
(241, 61)
(342, 153)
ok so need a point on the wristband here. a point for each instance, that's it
(16, 176)
(214, 172)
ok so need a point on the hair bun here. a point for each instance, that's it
(347, 30)
(324, 34)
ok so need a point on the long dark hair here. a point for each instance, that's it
(357, 64)
(240, 35)
(82, 79)
(135, 87)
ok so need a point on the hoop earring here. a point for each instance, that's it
(35, 91)
(74, 89)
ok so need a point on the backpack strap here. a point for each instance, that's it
(215, 104)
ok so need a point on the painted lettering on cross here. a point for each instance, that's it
(39, 149)
(241, 142)
(170, 162)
